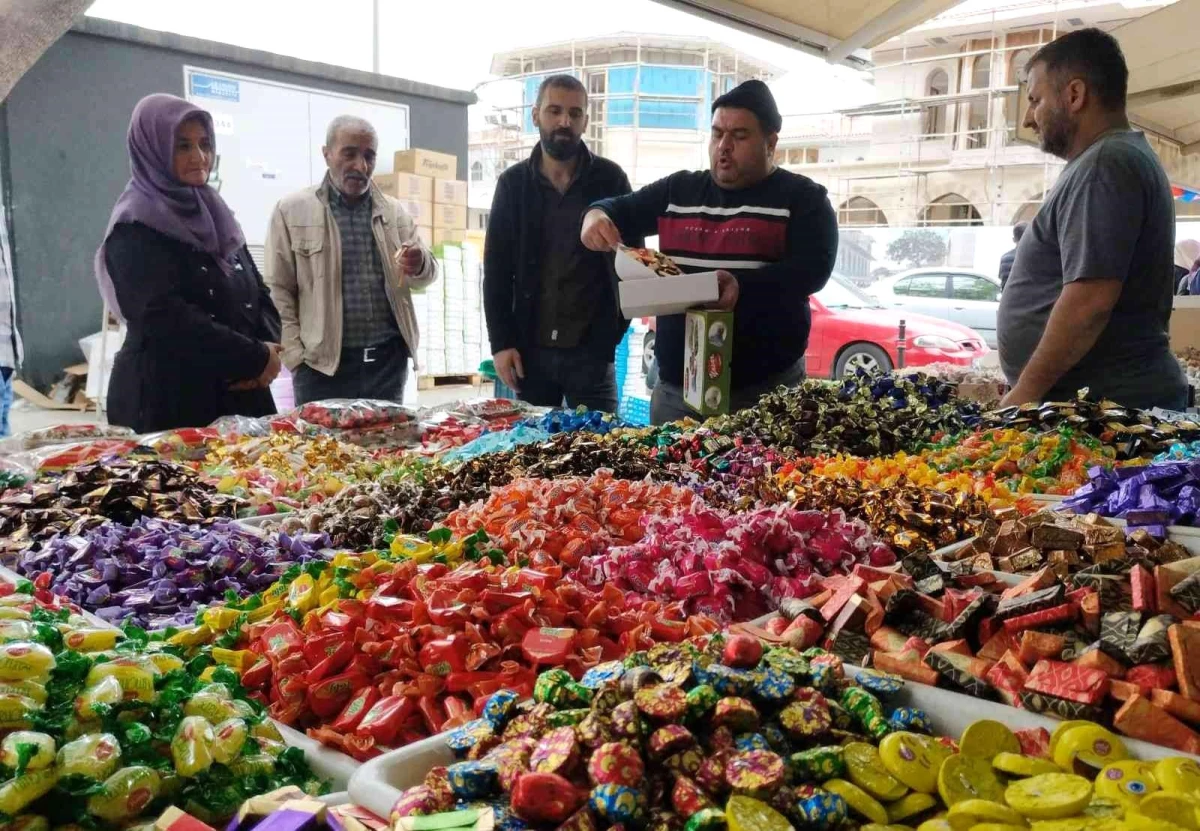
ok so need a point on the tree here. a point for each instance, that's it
(917, 248)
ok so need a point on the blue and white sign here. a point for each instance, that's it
(214, 86)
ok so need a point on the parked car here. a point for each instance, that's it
(851, 331)
(971, 298)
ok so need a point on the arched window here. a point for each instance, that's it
(1012, 104)
(950, 209)
(977, 112)
(938, 83)
(858, 210)
(476, 171)
(1029, 210)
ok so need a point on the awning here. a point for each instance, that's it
(1163, 53)
(837, 30)
(27, 28)
(1184, 194)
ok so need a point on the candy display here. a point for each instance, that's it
(158, 573)
(910, 519)
(863, 416)
(121, 490)
(63, 434)
(108, 731)
(736, 566)
(1132, 433)
(572, 421)
(678, 739)
(1066, 544)
(343, 413)
(1165, 493)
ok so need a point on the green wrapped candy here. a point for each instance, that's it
(191, 748)
(551, 687)
(15, 794)
(26, 750)
(567, 718)
(701, 700)
(818, 764)
(868, 710)
(94, 756)
(229, 737)
(708, 819)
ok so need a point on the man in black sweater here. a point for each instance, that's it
(770, 234)
(551, 304)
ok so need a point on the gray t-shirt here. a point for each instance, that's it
(1109, 216)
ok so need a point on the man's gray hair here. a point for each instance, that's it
(349, 122)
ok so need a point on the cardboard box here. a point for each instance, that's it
(449, 192)
(449, 236)
(667, 295)
(707, 351)
(426, 163)
(426, 235)
(1185, 323)
(407, 186)
(450, 216)
(421, 212)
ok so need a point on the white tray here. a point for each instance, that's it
(377, 784)
(325, 762)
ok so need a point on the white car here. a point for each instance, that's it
(970, 298)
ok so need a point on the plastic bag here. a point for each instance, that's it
(346, 413)
(62, 434)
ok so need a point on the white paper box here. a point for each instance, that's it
(667, 295)
(378, 783)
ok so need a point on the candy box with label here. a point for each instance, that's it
(707, 351)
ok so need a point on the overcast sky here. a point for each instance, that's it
(451, 42)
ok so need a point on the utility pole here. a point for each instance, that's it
(375, 36)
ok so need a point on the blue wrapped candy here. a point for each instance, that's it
(880, 683)
(580, 419)
(462, 739)
(603, 674)
(823, 810)
(618, 804)
(473, 780)
(727, 681)
(773, 686)
(913, 719)
(751, 741)
(499, 708)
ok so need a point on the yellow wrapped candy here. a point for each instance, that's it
(191, 638)
(106, 691)
(26, 822)
(257, 764)
(43, 755)
(303, 594)
(77, 727)
(126, 794)
(16, 711)
(237, 659)
(219, 618)
(166, 662)
(22, 660)
(91, 640)
(9, 613)
(135, 677)
(191, 748)
(15, 794)
(93, 756)
(15, 630)
(229, 737)
(213, 702)
(29, 689)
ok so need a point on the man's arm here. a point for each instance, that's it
(499, 272)
(636, 214)
(407, 232)
(280, 278)
(812, 243)
(1076, 321)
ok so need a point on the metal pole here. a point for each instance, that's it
(900, 344)
(375, 36)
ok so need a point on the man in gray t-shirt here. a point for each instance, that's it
(1088, 302)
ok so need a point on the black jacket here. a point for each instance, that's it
(512, 255)
(1006, 264)
(192, 332)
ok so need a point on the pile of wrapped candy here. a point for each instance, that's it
(900, 469)
(103, 729)
(863, 416)
(121, 490)
(1165, 493)
(720, 733)
(157, 573)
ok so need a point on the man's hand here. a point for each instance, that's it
(410, 259)
(1017, 396)
(727, 284)
(509, 368)
(599, 233)
(270, 371)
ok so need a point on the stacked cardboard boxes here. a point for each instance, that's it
(423, 181)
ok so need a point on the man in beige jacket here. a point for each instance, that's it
(341, 261)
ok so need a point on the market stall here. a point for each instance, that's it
(549, 619)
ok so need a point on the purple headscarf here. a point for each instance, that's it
(154, 197)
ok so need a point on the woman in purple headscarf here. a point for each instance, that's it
(203, 333)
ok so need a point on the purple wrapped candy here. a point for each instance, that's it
(158, 573)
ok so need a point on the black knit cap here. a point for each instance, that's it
(756, 97)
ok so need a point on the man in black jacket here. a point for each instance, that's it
(552, 313)
(1006, 260)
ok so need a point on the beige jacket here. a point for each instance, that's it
(304, 273)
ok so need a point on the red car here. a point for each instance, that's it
(851, 331)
